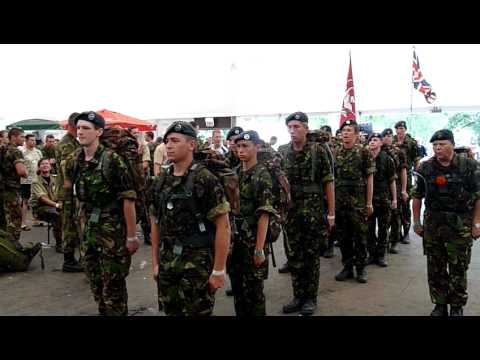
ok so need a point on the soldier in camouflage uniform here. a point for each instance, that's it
(354, 169)
(410, 147)
(384, 189)
(64, 158)
(190, 229)
(13, 168)
(400, 161)
(450, 185)
(249, 258)
(104, 188)
(49, 152)
(44, 200)
(232, 155)
(308, 171)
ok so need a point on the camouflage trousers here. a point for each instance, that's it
(447, 243)
(247, 280)
(396, 222)
(306, 240)
(352, 233)
(143, 219)
(107, 264)
(49, 214)
(183, 288)
(12, 210)
(70, 231)
(377, 244)
(406, 211)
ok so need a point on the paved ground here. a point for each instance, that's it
(400, 289)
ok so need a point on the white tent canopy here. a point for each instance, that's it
(175, 81)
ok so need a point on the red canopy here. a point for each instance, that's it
(114, 119)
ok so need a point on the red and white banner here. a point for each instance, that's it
(348, 106)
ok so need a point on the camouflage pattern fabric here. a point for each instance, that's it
(101, 192)
(13, 259)
(65, 156)
(307, 172)
(353, 166)
(183, 288)
(12, 156)
(13, 215)
(246, 278)
(384, 176)
(410, 149)
(450, 195)
(400, 161)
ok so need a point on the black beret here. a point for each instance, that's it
(250, 135)
(326, 128)
(348, 123)
(91, 116)
(387, 131)
(236, 130)
(299, 116)
(401, 123)
(375, 135)
(180, 127)
(443, 134)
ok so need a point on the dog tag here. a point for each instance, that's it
(169, 205)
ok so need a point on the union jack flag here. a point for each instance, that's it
(419, 82)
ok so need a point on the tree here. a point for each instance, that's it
(464, 120)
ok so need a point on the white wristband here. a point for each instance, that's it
(132, 239)
(218, 273)
(331, 217)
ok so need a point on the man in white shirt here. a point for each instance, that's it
(217, 143)
(32, 156)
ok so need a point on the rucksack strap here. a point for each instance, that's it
(192, 203)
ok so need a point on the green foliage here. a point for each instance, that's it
(465, 120)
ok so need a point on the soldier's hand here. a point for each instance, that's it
(258, 260)
(132, 245)
(216, 281)
(155, 272)
(369, 210)
(331, 222)
(418, 229)
(475, 233)
(394, 205)
(404, 197)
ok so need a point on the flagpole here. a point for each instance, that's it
(411, 91)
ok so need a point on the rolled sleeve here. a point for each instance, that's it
(220, 209)
(418, 191)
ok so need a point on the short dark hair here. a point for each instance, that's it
(3, 132)
(194, 124)
(50, 136)
(150, 134)
(273, 138)
(14, 132)
(71, 119)
(159, 139)
(28, 136)
(39, 162)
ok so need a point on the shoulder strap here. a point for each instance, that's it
(192, 203)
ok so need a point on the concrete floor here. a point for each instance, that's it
(400, 289)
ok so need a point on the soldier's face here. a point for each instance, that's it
(443, 149)
(388, 139)
(86, 133)
(217, 138)
(246, 150)
(50, 143)
(18, 140)
(232, 146)
(374, 143)
(401, 131)
(31, 142)
(349, 135)
(45, 166)
(297, 130)
(178, 147)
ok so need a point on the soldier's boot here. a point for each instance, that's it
(440, 310)
(361, 275)
(308, 307)
(381, 261)
(293, 306)
(371, 260)
(406, 235)
(456, 310)
(394, 248)
(70, 264)
(329, 252)
(284, 269)
(30, 252)
(346, 273)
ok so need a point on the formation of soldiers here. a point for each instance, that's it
(340, 190)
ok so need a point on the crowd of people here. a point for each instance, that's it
(318, 191)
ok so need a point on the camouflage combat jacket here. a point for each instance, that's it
(66, 147)
(410, 149)
(12, 156)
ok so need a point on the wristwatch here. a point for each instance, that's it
(259, 252)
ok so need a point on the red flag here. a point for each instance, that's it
(348, 106)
